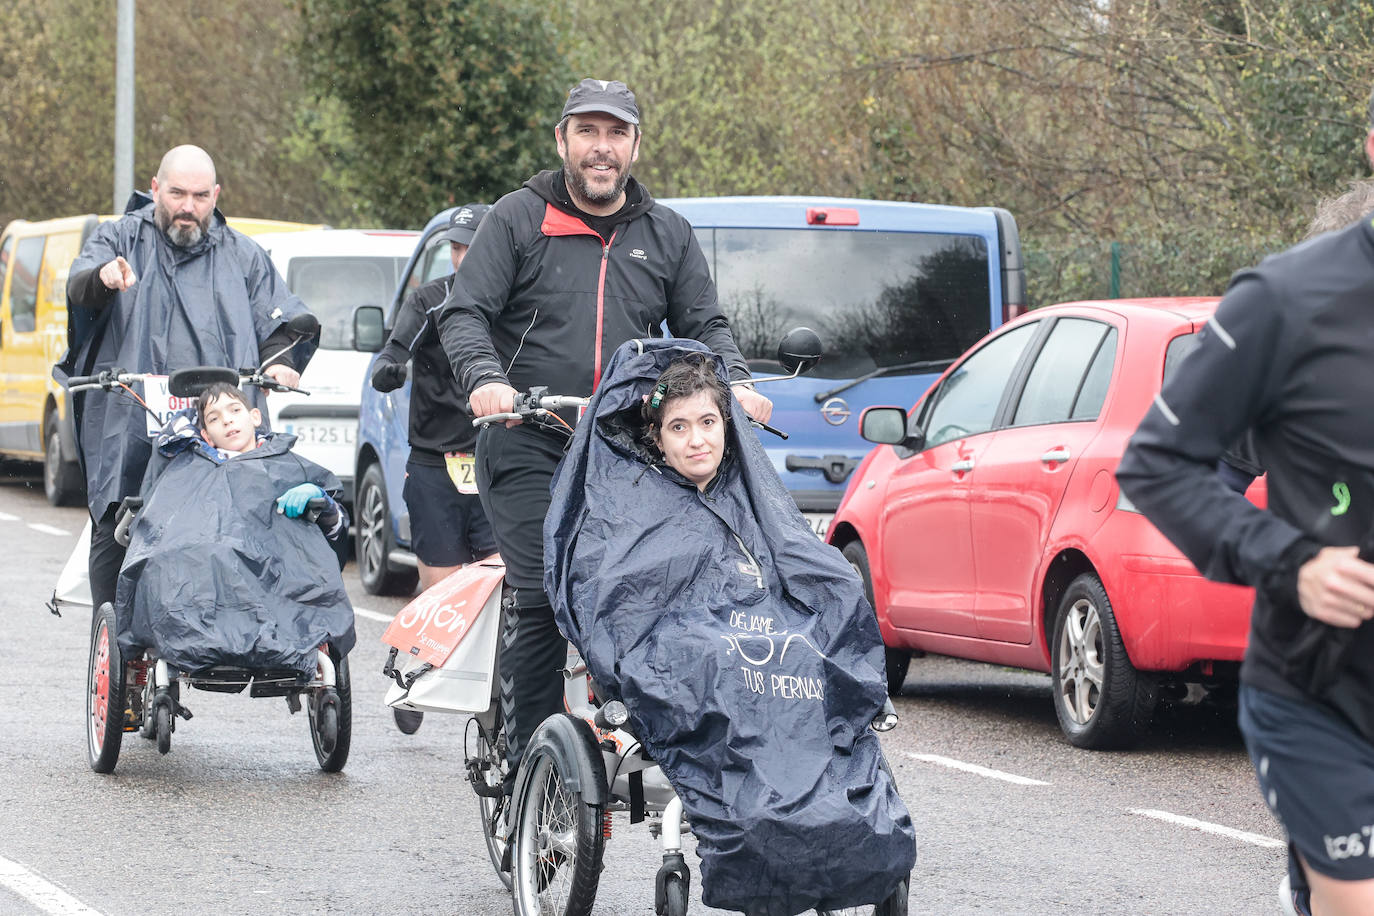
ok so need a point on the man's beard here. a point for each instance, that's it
(583, 189)
(180, 235)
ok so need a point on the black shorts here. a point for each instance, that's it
(1317, 775)
(447, 528)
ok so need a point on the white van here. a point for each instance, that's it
(334, 271)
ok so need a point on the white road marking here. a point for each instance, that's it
(49, 529)
(1257, 839)
(372, 615)
(47, 897)
(976, 769)
(6, 517)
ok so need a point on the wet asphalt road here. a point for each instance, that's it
(238, 818)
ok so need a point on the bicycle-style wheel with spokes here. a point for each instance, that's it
(557, 832)
(484, 755)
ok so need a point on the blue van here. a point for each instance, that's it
(897, 291)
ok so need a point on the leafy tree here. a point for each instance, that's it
(432, 102)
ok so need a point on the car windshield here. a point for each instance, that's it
(332, 287)
(877, 298)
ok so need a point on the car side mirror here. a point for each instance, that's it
(889, 426)
(369, 329)
(189, 383)
(800, 350)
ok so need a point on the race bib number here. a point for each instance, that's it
(462, 470)
(161, 402)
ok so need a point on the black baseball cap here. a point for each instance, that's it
(462, 224)
(610, 96)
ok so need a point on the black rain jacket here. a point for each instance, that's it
(219, 302)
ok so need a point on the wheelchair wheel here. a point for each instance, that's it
(674, 896)
(556, 859)
(104, 694)
(484, 756)
(164, 728)
(331, 718)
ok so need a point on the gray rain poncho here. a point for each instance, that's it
(742, 645)
(212, 304)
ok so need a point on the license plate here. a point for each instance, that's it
(819, 522)
(322, 432)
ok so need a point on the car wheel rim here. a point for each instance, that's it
(1081, 661)
(52, 461)
(100, 689)
(373, 518)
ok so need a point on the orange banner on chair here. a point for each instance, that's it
(432, 626)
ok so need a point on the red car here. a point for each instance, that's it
(988, 524)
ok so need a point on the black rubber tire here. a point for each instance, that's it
(62, 480)
(1101, 700)
(337, 718)
(489, 750)
(373, 540)
(164, 728)
(545, 806)
(105, 689)
(675, 896)
(897, 661)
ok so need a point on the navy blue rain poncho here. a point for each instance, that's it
(214, 576)
(744, 648)
(210, 304)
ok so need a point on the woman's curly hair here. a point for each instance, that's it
(683, 378)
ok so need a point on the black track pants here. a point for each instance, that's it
(514, 469)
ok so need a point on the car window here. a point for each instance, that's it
(1059, 370)
(28, 258)
(878, 298)
(1094, 391)
(435, 262)
(966, 403)
(332, 287)
(1179, 348)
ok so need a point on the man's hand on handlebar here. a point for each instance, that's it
(493, 397)
(117, 275)
(283, 375)
(754, 404)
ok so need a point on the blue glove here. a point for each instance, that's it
(292, 502)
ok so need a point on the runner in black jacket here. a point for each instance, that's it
(1289, 352)
(561, 273)
(447, 523)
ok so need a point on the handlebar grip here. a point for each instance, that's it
(83, 380)
(315, 508)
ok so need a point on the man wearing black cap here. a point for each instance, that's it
(448, 527)
(565, 270)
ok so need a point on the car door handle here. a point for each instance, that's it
(960, 467)
(1060, 454)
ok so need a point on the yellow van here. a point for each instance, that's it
(35, 413)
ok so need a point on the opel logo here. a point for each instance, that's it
(835, 411)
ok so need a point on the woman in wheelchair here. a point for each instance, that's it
(742, 645)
